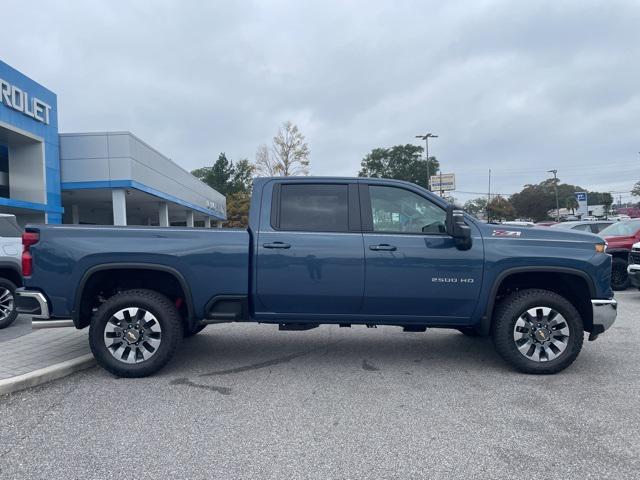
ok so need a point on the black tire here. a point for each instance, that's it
(194, 331)
(9, 313)
(169, 324)
(510, 310)
(619, 275)
(469, 332)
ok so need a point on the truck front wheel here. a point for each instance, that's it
(135, 333)
(537, 331)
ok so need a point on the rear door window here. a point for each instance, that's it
(314, 208)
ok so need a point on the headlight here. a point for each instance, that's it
(601, 247)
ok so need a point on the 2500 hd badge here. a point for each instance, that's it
(451, 280)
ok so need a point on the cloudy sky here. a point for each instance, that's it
(518, 87)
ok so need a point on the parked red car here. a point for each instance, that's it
(620, 238)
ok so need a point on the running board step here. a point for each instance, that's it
(297, 326)
(414, 328)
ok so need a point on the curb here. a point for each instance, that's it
(44, 375)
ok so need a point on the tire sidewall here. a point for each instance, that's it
(621, 264)
(166, 315)
(9, 285)
(513, 308)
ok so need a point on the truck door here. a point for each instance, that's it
(413, 268)
(310, 257)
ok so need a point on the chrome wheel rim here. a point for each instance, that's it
(6, 303)
(132, 335)
(541, 334)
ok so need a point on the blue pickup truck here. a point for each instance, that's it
(339, 251)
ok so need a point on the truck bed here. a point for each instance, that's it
(211, 261)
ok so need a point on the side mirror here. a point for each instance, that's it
(458, 229)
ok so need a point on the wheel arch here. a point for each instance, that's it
(80, 298)
(11, 271)
(547, 278)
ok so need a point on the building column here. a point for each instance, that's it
(75, 214)
(163, 214)
(119, 202)
(189, 218)
(207, 222)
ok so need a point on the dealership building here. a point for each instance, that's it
(99, 178)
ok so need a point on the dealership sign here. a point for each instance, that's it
(581, 198)
(14, 97)
(443, 182)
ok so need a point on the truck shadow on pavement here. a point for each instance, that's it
(383, 352)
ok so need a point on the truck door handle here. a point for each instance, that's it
(276, 245)
(383, 247)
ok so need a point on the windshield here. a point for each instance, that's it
(626, 228)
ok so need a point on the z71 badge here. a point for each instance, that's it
(506, 233)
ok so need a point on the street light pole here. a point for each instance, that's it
(426, 138)
(555, 184)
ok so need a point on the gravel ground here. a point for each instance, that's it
(247, 401)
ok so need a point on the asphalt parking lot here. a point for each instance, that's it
(247, 401)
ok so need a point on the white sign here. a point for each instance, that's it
(444, 182)
(19, 100)
(583, 209)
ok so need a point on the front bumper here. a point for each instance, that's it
(34, 304)
(634, 275)
(604, 314)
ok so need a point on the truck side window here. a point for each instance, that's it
(399, 210)
(314, 208)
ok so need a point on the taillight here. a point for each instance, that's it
(28, 239)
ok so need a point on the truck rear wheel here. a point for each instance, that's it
(537, 331)
(135, 333)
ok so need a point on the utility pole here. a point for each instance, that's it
(555, 184)
(426, 138)
(488, 198)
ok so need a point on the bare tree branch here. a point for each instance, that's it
(265, 164)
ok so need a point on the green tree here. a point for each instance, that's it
(571, 203)
(476, 207)
(225, 176)
(499, 208)
(242, 177)
(635, 191)
(534, 201)
(400, 162)
(234, 181)
(219, 176)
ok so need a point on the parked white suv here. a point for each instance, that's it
(10, 267)
(634, 265)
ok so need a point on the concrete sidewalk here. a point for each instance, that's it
(31, 357)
